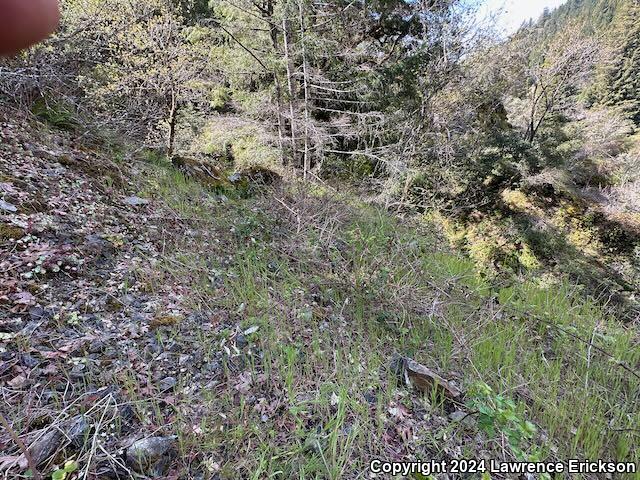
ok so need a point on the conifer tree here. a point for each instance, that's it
(620, 82)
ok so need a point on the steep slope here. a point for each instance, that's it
(562, 202)
(184, 333)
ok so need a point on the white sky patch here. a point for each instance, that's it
(510, 14)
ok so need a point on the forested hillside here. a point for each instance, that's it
(285, 238)
(595, 16)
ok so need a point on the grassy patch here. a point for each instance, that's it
(329, 290)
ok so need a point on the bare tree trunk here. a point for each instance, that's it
(267, 13)
(306, 164)
(535, 98)
(279, 120)
(292, 94)
(173, 114)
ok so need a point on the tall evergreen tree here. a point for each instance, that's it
(620, 82)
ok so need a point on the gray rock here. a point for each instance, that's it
(128, 299)
(7, 207)
(167, 383)
(39, 313)
(44, 154)
(110, 352)
(76, 429)
(98, 246)
(460, 416)
(396, 365)
(370, 398)
(97, 346)
(241, 341)
(30, 327)
(29, 361)
(211, 385)
(153, 346)
(136, 201)
(78, 371)
(235, 177)
(214, 367)
(153, 455)
(72, 431)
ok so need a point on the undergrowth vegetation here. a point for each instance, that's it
(281, 239)
(330, 290)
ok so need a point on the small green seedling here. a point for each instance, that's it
(62, 473)
(498, 413)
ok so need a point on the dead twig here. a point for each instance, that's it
(23, 448)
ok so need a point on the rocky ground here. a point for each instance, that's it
(78, 323)
(153, 328)
(92, 336)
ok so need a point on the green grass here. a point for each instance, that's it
(332, 309)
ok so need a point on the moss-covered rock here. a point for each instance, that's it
(10, 232)
(206, 173)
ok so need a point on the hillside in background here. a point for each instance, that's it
(564, 199)
(281, 239)
(595, 15)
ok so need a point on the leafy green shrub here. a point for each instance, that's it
(494, 244)
(499, 414)
(219, 98)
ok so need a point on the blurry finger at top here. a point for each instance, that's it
(25, 22)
